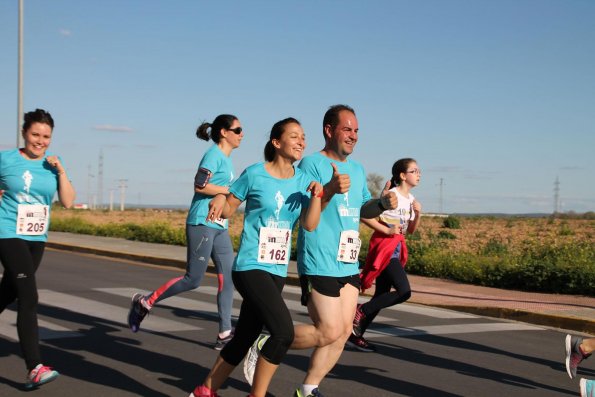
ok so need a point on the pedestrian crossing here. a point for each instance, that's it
(159, 321)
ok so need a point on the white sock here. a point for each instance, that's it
(307, 389)
(224, 334)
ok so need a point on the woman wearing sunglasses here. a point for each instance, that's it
(387, 254)
(205, 239)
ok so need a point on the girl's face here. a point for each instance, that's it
(412, 175)
(37, 140)
(292, 142)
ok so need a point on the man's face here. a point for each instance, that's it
(343, 137)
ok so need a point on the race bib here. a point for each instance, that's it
(221, 222)
(273, 246)
(349, 246)
(32, 219)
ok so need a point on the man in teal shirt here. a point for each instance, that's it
(328, 256)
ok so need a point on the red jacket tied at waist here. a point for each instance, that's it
(380, 251)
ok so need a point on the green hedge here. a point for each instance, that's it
(567, 268)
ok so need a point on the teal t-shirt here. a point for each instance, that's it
(221, 169)
(317, 250)
(272, 203)
(26, 183)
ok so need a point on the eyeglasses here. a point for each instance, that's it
(237, 130)
(414, 171)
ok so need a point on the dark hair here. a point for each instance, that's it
(37, 116)
(400, 166)
(331, 117)
(222, 121)
(276, 132)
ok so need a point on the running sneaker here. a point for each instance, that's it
(587, 387)
(203, 391)
(315, 393)
(221, 342)
(357, 321)
(359, 343)
(40, 375)
(574, 355)
(137, 312)
(252, 357)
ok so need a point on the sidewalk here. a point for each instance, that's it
(570, 312)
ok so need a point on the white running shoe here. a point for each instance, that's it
(252, 357)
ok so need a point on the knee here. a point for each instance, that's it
(405, 295)
(191, 282)
(330, 333)
(28, 301)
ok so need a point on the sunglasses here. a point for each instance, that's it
(237, 130)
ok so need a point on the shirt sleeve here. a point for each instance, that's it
(241, 186)
(210, 161)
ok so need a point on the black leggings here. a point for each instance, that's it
(263, 305)
(20, 259)
(392, 276)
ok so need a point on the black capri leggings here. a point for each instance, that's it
(20, 259)
(263, 305)
(392, 276)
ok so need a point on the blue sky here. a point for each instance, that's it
(494, 98)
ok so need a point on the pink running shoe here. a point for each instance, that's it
(40, 375)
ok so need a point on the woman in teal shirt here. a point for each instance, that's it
(276, 195)
(29, 179)
(204, 239)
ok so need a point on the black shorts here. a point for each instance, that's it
(326, 285)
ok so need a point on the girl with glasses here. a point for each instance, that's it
(387, 253)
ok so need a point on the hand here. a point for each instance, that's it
(216, 206)
(55, 162)
(416, 207)
(315, 189)
(388, 199)
(339, 183)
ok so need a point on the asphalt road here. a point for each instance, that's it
(421, 351)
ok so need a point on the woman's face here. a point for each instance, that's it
(232, 136)
(37, 140)
(292, 142)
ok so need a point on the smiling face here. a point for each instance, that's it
(37, 140)
(342, 138)
(292, 142)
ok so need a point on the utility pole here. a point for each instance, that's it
(111, 199)
(100, 179)
(441, 197)
(122, 187)
(89, 177)
(20, 140)
(556, 196)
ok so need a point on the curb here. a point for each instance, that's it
(567, 323)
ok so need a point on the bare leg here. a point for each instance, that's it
(219, 374)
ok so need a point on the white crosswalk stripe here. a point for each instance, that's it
(156, 322)
(47, 330)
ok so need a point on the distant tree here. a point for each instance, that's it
(375, 184)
